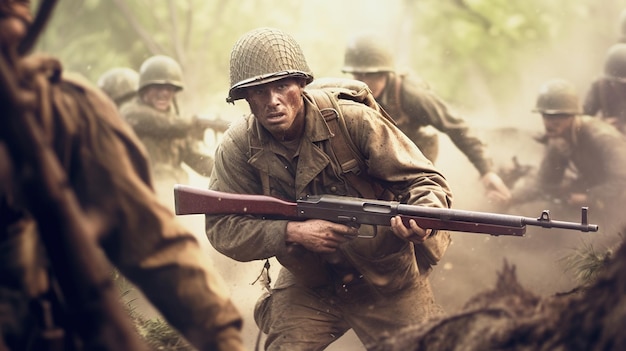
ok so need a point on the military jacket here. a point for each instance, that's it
(167, 137)
(414, 105)
(107, 168)
(606, 99)
(595, 153)
(248, 153)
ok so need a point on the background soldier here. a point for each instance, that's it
(584, 162)
(170, 139)
(106, 172)
(607, 95)
(120, 84)
(332, 281)
(415, 106)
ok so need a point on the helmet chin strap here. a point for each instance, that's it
(43, 14)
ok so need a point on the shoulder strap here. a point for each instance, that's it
(350, 159)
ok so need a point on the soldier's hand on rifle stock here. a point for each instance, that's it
(318, 235)
(414, 234)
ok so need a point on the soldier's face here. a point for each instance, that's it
(159, 96)
(557, 126)
(376, 81)
(279, 107)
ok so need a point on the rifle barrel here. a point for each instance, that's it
(351, 210)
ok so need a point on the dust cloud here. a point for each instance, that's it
(471, 263)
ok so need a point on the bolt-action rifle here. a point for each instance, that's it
(357, 211)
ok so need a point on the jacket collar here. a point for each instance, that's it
(312, 159)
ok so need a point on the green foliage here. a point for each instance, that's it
(157, 333)
(499, 39)
(471, 51)
(160, 335)
(586, 262)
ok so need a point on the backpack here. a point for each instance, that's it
(325, 92)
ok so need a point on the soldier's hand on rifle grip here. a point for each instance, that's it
(318, 235)
(414, 234)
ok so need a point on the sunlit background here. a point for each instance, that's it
(487, 58)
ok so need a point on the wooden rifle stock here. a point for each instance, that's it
(190, 200)
(356, 211)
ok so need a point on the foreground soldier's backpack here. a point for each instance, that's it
(325, 92)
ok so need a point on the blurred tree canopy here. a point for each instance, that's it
(479, 54)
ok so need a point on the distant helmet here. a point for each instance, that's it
(160, 69)
(119, 83)
(558, 96)
(615, 63)
(368, 53)
(262, 56)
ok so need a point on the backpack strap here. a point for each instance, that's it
(350, 160)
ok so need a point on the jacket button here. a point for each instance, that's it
(333, 189)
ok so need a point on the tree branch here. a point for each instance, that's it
(152, 45)
(178, 48)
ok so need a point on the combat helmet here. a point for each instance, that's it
(119, 83)
(368, 53)
(262, 56)
(615, 63)
(160, 69)
(558, 96)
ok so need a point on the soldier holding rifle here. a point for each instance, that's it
(584, 162)
(154, 115)
(332, 280)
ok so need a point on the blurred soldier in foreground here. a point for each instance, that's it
(415, 106)
(332, 280)
(106, 171)
(585, 158)
(607, 95)
(170, 139)
(120, 84)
